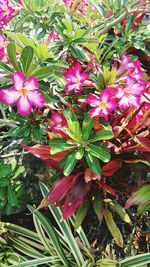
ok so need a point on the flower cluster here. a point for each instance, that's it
(6, 13)
(126, 90)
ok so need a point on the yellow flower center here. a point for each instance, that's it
(23, 91)
(126, 92)
(102, 104)
(6, 9)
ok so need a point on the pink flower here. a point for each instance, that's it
(103, 105)
(75, 78)
(59, 122)
(3, 52)
(128, 67)
(24, 94)
(130, 94)
(6, 12)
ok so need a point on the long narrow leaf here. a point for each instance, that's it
(65, 229)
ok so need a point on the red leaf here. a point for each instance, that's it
(145, 142)
(108, 189)
(60, 189)
(43, 152)
(75, 197)
(111, 167)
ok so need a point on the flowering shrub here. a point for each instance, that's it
(77, 87)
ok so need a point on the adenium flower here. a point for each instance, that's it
(6, 12)
(24, 94)
(3, 52)
(129, 67)
(103, 105)
(130, 94)
(58, 121)
(75, 78)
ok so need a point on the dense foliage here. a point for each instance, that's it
(74, 92)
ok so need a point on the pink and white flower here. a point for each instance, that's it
(24, 94)
(130, 94)
(75, 78)
(6, 12)
(58, 121)
(3, 52)
(103, 105)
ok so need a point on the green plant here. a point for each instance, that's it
(12, 194)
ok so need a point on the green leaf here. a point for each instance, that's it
(87, 126)
(5, 170)
(12, 199)
(81, 213)
(74, 131)
(141, 196)
(130, 20)
(26, 57)
(11, 50)
(19, 171)
(80, 153)
(120, 210)
(102, 135)
(42, 73)
(65, 228)
(143, 208)
(5, 67)
(98, 207)
(58, 145)
(71, 162)
(93, 164)
(137, 261)
(52, 234)
(107, 263)
(70, 116)
(98, 152)
(113, 227)
(4, 182)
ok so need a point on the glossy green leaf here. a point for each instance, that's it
(121, 211)
(141, 196)
(98, 207)
(12, 199)
(71, 162)
(42, 73)
(58, 145)
(5, 170)
(11, 50)
(87, 127)
(98, 152)
(93, 164)
(113, 228)
(81, 213)
(26, 57)
(102, 135)
(79, 153)
(74, 131)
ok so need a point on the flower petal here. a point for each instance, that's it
(36, 99)
(32, 84)
(23, 106)
(93, 100)
(9, 96)
(18, 79)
